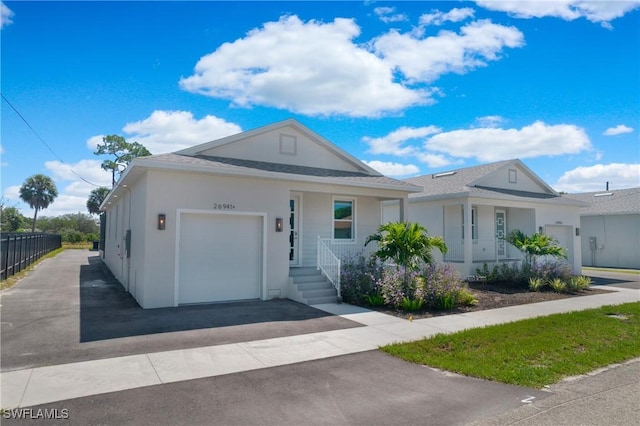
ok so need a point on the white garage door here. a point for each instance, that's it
(220, 258)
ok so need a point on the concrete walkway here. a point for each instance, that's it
(33, 386)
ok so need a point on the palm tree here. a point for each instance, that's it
(38, 191)
(535, 246)
(96, 198)
(406, 244)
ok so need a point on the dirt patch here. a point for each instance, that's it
(492, 296)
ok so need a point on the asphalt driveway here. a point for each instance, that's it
(70, 308)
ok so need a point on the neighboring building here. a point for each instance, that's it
(474, 208)
(610, 228)
(227, 220)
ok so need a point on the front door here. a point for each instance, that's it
(501, 234)
(294, 224)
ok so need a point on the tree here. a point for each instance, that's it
(96, 198)
(535, 246)
(406, 244)
(11, 220)
(123, 151)
(38, 191)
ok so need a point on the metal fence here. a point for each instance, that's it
(17, 251)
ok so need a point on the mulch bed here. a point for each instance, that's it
(491, 296)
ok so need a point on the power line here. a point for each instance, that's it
(43, 141)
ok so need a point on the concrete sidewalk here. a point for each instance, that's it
(33, 386)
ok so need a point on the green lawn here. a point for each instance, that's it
(534, 352)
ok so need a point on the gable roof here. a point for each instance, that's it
(192, 160)
(289, 123)
(618, 201)
(475, 182)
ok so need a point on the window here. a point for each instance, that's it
(343, 219)
(474, 222)
(513, 176)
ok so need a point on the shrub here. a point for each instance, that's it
(374, 299)
(392, 286)
(558, 285)
(579, 283)
(465, 298)
(445, 302)
(536, 284)
(411, 305)
(358, 277)
(72, 236)
(441, 282)
(551, 270)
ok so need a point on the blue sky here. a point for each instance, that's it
(409, 87)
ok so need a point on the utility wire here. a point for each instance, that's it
(43, 141)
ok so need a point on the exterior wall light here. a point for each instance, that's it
(577, 232)
(540, 229)
(162, 221)
(279, 224)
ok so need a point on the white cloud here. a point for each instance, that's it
(5, 16)
(494, 144)
(436, 160)
(618, 130)
(94, 141)
(311, 68)
(12, 193)
(393, 142)
(595, 11)
(169, 131)
(594, 178)
(317, 68)
(393, 169)
(437, 17)
(425, 60)
(387, 14)
(490, 121)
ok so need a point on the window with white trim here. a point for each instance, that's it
(474, 222)
(343, 219)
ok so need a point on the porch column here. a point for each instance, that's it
(403, 209)
(468, 238)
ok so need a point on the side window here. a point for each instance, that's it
(343, 223)
(474, 223)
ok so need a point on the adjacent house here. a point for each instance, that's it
(610, 228)
(236, 218)
(474, 208)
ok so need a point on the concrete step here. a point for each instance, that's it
(315, 285)
(324, 292)
(299, 272)
(308, 278)
(320, 300)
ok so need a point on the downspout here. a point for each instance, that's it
(127, 232)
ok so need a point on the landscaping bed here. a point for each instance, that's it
(492, 296)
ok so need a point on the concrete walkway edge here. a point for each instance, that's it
(28, 387)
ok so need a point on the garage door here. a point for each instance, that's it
(220, 258)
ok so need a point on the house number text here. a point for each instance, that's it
(223, 206)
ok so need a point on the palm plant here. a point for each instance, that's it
(406, 244)
(535, 246)
(38, 191)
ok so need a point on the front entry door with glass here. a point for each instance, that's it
(294, 220)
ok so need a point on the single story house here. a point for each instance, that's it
(610, 228)
(474, 208)
(231, 219)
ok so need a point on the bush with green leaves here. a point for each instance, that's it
(411, 305)
(358, 277)
(558, 285)
(578, 283)
(536, 284)
(374, 299)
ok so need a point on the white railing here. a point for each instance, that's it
(332, 251)
(329, 264)
(484, 250)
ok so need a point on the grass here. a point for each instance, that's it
(83, 245)
(534, 352)
(624, 271)
(13, 279)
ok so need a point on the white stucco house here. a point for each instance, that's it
(610, 228)
(249, 216)
(474, 208)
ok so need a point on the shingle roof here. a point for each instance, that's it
(222, 164)
(454, 181)
(621, 201)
